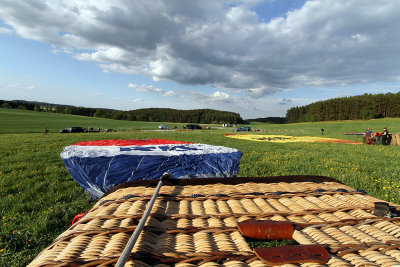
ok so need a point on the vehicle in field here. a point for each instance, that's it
(73, 130)
(243, 129)
(193, 127)
(163, 127)
(93, 130)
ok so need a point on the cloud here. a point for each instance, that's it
(30, 87)
(225, 44)
(217, 97)
(23, 87)
(137, 100)
(150, 88)
(169, 93)
(5, 31)
(144, 88)
(94, 94)
(285, 101)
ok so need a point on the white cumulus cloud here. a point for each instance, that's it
(169, 93)
(217, 97)
(149, 88)
(225, 44)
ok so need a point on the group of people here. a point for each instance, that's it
(379, 137)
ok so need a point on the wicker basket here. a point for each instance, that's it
(194, 223)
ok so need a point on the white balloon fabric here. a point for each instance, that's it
(98, 166)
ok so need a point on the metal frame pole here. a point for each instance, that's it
(132, 240)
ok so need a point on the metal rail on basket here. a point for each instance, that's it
(132, 240)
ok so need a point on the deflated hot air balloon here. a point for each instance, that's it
(100, 165)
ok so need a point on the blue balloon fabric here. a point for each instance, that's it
(98, 168)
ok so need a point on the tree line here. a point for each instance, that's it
(367, 106)
(273, 120)
(203, 116)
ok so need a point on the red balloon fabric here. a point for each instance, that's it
(132, 142)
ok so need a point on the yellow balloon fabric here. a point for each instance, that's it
(287, 139)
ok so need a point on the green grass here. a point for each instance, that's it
(333, 129)
(39, 198)
(25, 121)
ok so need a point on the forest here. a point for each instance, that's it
(274, 120)
(148, 114)
(367, 106)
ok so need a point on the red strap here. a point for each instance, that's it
(78, 217)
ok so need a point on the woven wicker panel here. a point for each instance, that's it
(196, 225)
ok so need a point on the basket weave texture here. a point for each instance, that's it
(395, 139)
(196, 225)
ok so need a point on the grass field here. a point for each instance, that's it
(23, 121)
(38, 198)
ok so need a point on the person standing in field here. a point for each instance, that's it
(385, 136)
(368, 132)
(322, 131)
(368, 136)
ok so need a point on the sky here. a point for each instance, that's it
(254, 57)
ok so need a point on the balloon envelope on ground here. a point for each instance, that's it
(100, 165)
